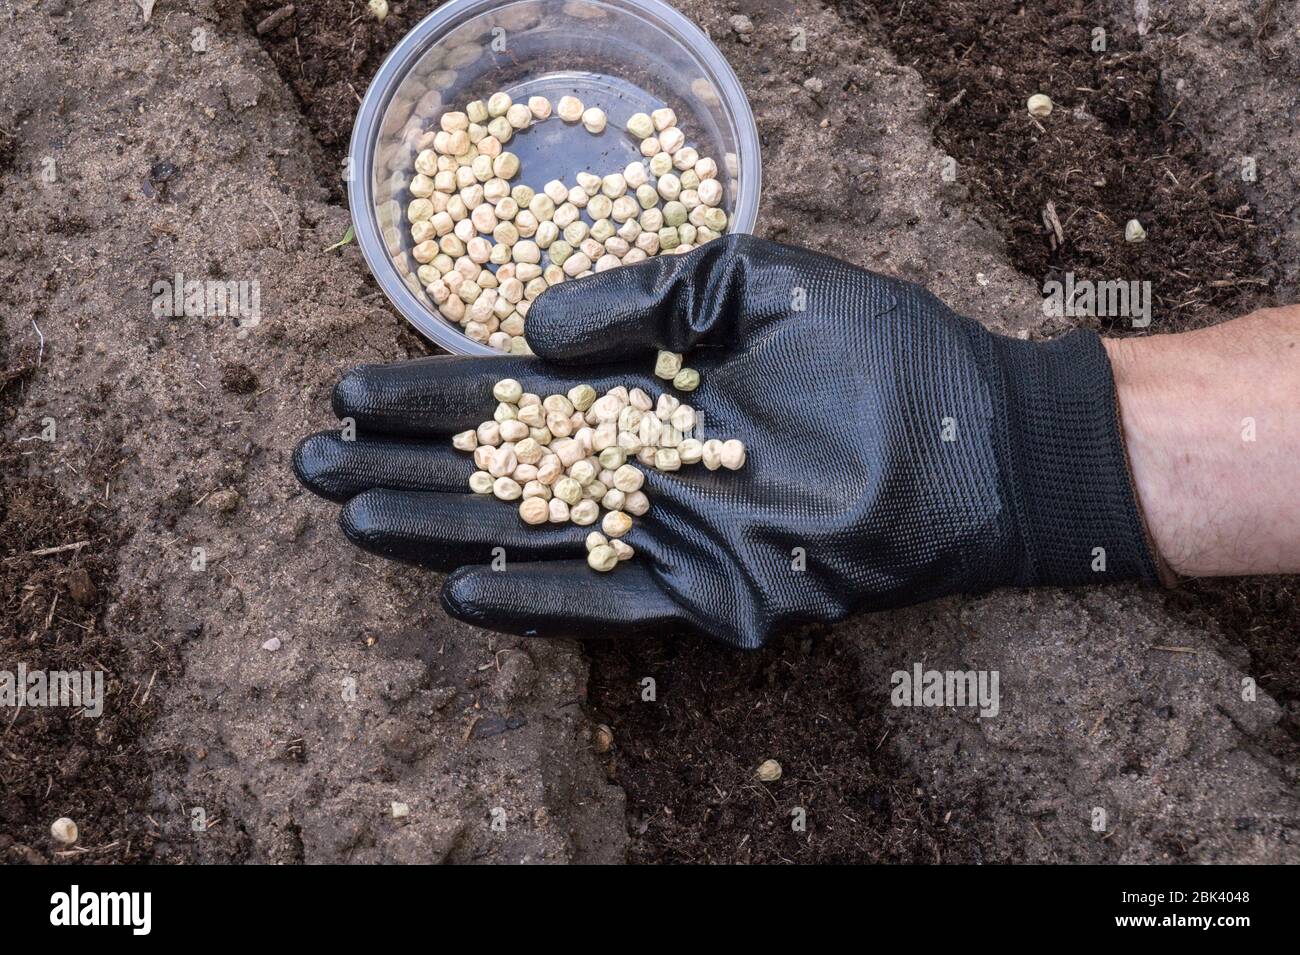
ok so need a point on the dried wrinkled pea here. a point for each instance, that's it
(667, 364)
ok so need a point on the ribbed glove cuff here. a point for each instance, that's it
(1065, 464)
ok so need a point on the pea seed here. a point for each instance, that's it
(508, 390)
(576, 264)
(506, 165)
(500, 130)
(584, 513)
(663, 118)
(628, 478)
(519, 116)
(688, 379)
(709, 192)
(534, 510)
(559, 251)
(507, 489)
(613, 185)
(641, 126)
(569, 109)
(616, 524)
(568, 490)
(661, 164)
(671, 140)
(593, 120)
(528, 451)
(668, 459)
(690, 451)
(1040, 105)
(716, 220)
(733, 454)
(602, 558)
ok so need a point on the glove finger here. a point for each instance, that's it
(337, 469)
(672, 302)
(442, 531)
(444, 394)
(560, 599)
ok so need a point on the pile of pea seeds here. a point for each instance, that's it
(567, 458)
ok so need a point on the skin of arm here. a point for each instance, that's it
(1211, 419)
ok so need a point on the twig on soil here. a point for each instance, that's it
(273, 20)
(47, 551)
(279, 225)
(1176, 649)
(149, 689)
(41, 335)
(1053, 223)
(1225, 283)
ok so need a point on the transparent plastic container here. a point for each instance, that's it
(625, 56)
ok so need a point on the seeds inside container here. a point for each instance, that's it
(470, 218)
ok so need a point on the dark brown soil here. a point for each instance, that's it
(687, 759)
(53, 761)
(1123, 155)
(1261, 614)
(327, 51)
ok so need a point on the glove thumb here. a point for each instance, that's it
(671, 302)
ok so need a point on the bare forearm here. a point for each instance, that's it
(1212, 423)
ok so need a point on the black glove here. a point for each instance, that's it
(897, 452)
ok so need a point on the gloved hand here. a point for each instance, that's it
(897, 452)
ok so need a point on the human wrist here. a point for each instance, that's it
(1211, 440)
